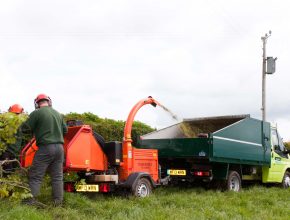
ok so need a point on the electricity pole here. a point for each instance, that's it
(271, 65)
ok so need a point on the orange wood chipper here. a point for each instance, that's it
(106, 167)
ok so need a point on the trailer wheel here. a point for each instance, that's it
(143, 188)
(286, 180)
(234, 182)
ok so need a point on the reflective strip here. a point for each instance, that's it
(238, 141)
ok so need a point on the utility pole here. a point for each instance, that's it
(271, 65)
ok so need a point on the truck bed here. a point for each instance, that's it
(231, 140)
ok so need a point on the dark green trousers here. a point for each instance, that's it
(49, 159)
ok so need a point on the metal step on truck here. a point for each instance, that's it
(227, 149)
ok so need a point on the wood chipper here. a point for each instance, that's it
(106, 167)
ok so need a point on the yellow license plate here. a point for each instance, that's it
(87, 188)
(176, 172)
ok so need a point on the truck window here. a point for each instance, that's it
(277, 142)
(281, 144)
(274, 139)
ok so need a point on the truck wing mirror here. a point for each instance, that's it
(266, 138)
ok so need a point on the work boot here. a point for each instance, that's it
(57, 203)
(33, 202)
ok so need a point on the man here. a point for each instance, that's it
(48, 127)
(13, 149)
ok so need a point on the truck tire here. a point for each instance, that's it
(286, 180)
(234, 182)
(143, 188)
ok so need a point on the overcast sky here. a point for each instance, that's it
(198, 58)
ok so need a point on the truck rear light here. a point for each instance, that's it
(69, 187)
(201, 173)
(104, 187)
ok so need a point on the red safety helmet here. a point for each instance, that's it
(42, 97)
(16, 108)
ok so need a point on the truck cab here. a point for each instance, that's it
(279, 170)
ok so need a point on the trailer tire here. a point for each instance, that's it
(234, 182)
(286, 180)
(143, 188)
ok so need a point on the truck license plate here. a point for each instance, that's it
(87, 188)
(176, 172)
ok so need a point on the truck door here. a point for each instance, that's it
(278, 158)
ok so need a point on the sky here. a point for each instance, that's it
(197, 58)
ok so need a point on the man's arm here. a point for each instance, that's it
(27, 127)
(64, 127)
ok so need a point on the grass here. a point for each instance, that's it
(256, 202)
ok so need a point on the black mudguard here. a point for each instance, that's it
(133, 179)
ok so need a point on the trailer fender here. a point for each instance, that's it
(134, 177)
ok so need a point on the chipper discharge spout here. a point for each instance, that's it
(131, 116)
(127, 139)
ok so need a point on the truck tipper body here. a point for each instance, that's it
(228, 149)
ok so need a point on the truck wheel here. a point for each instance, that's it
(234, 182)
(143, 188)
(286, 180)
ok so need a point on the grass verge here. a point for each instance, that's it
(255, 202)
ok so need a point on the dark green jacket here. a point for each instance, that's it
(47, 125)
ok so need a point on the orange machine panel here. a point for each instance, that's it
(82, 151)
(143, 160)
(146, 160)
(27, 153)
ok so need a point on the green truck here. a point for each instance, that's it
(227, 150)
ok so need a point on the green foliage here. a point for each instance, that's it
(287, 145)
(9, 124)
(70, 177)
(14, 186)
(111, 130)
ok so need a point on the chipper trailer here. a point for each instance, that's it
(109, 167)
(226, 150)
